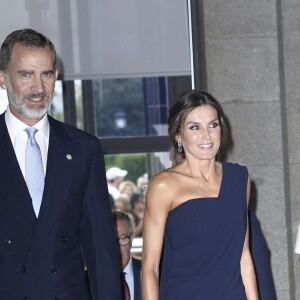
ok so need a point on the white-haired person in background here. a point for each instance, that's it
(114, 177)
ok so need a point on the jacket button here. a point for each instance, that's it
(23, 269)
(7, 241)
(54, 270)
(63, 238)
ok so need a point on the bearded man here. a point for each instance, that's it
(55, 218)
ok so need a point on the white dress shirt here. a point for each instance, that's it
(130, 278)
(19, 137)
(297, 246)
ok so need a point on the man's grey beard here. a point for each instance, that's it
(32, 113)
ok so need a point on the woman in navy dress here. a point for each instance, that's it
(195, 223)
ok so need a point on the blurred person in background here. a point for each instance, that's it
(137, 211)
(127, 187)
(114, 177)
(143, 180)
(122, 203)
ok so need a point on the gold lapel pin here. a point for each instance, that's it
(69, 157)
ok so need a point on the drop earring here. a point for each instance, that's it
(179, 145)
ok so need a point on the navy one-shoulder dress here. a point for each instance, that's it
(203, 243)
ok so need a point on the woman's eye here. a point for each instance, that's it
(214, 124)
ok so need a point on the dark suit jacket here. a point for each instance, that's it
(44, 258)
(136, 265)
(261, 259)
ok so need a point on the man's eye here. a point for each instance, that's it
(48, 74)
(25, 75)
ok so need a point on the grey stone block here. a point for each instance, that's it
(297, 274)
(291, 12)
(279, 258)
(268, 193)
(294, 198)
(256, 132)
(293, 121)
(283, 295)
(240, 18)
(292, 66)
(244, 69)
(295, 215)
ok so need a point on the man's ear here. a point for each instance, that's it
(2, 80)
(56, 74)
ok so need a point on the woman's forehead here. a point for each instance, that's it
(202, 113)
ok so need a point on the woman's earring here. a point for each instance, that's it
(179, 145)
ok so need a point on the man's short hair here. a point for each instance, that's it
(27, 37)
(120, 215)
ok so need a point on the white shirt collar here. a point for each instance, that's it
(14, 125)
(129, 269)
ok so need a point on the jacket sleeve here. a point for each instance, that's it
(97, 234)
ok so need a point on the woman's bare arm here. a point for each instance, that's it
(156, 212)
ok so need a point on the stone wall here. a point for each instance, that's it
(252, 57)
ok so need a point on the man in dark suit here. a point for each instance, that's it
(261, 259)
(51, 232)
(131, 266)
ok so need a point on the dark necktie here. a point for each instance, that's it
(125, 288)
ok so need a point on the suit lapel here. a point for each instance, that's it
(59, 171)
(14, 193)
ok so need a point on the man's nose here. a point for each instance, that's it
(37, 84)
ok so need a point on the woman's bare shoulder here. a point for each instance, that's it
(164, 179)
(161, 187)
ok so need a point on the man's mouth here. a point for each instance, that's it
(37, 97)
